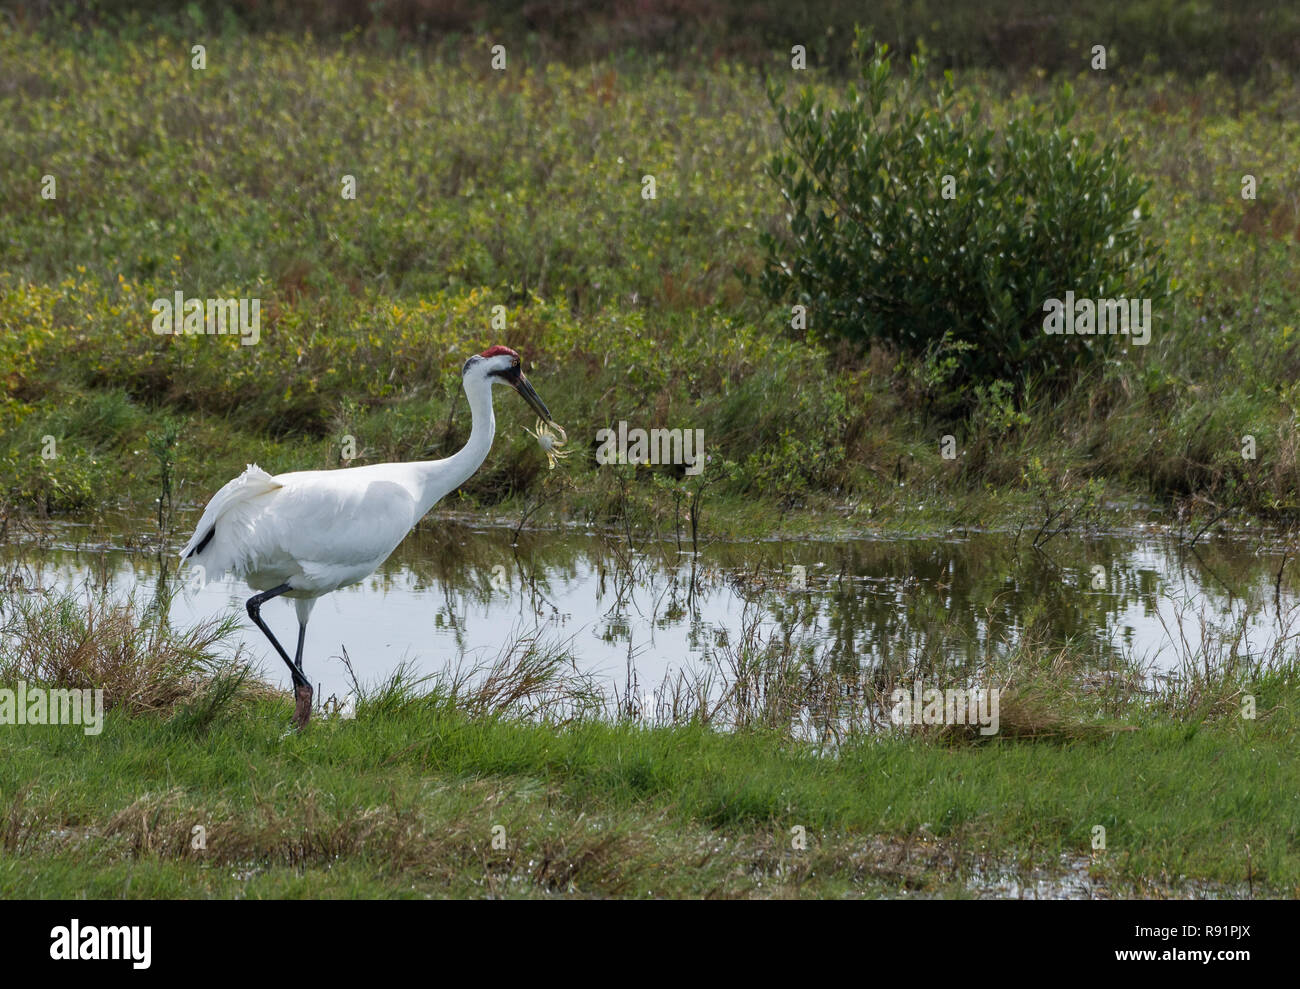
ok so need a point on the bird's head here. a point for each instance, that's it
(500, 366)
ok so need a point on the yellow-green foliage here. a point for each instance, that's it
(523, 189)
(231, 176)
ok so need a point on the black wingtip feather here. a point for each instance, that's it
(203, 542)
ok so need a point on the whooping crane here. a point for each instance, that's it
(307, 533)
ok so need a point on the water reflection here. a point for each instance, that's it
(456, 593)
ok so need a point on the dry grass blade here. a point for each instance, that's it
(101, 643)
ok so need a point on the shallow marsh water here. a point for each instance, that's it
(457, 595)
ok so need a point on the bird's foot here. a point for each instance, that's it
(302, 705)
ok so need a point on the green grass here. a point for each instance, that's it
(404, 805)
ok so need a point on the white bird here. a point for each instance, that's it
(307, 533)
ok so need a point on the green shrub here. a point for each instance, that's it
(64, 483)
(875, 250)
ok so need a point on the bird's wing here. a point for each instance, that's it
(253, 483)
(335, 526)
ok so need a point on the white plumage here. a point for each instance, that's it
(307, 533)
(318, 530)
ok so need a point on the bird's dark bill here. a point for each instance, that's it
(532, 398)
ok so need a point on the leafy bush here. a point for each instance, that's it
(61, 484)
(798, 443)
(877, 251)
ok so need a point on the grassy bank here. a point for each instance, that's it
(405, 798)
(404, 802)
(522, 189)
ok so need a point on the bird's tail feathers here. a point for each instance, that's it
(253, 483)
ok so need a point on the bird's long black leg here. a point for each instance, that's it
(302, 688)
(255, 612)
(297, 658)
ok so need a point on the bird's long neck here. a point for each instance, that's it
(438, 478)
